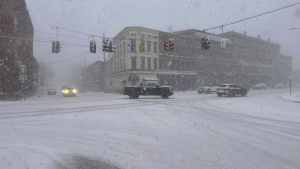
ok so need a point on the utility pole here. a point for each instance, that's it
(104, 80)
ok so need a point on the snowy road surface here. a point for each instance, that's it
(93, 130)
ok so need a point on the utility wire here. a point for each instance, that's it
(252, 17)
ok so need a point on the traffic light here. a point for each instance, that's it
(58, 47)
(171, 45)
(166, 45)
(112, 48)
(53, 47)
(105, 45)
(205, 44)
(92, 47)
(142, 47)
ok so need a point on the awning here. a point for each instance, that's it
(177, 73)
(150, 79)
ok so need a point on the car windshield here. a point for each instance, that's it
(166, 84)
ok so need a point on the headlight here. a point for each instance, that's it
(66, 91)
(74, 91)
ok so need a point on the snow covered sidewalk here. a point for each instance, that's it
(295, 97)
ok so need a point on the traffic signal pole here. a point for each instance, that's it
(104, 68)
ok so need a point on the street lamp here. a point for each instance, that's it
(291, 77)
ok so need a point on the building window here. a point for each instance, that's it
(115, 66)
(124, 48)
(133, 34)
(142, 36)
(124, 64)
(121, 50)
(148, 46)
(1, 55)
(142, 62)
(133, 45)
(16, 23)
(155, 63)
(17, 53)
(121, 64)
(0, 21)
(2, 83)
(149, 63)
(133, 62)
(117, 51)
(155, 47)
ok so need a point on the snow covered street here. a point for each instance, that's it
(188, 130)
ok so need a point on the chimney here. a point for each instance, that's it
(245, 33)
(268, 39)
(258, 36)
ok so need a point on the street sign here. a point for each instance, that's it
(23, 78)
(22, 69)
(223, 43)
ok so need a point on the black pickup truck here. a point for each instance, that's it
(149, 89)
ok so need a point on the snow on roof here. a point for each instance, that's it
(212, 37)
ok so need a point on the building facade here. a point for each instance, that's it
(245, 60)
(128, 66)
(92, 77)
(16, 48)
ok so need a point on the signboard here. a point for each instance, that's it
(23, 78)
(22, 69)
(133, 77)
(223, 43)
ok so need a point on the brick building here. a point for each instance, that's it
(16, 48)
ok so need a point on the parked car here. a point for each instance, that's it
(260, 86)
(149, 89)
(69, 91)
(231, 90)
(51, 92)
(207, 89)
(279, 86)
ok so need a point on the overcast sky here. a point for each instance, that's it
(111, 16)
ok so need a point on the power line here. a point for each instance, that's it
(79, 32)
(42, 40)
(252, 17)
(46, 32)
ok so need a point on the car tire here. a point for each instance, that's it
(230, 94)
(220, 95)
(244, 94)
(199, 92)
(131, 95)
(208, 91)
(165, 96)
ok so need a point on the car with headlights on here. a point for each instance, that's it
(69, 91)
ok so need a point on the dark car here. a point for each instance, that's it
(148, 89)
(51, 92)
(69, 91)
(231, 90)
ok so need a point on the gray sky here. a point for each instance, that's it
(111, 16)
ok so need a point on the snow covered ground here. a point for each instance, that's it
(188, 130)
(295, 97)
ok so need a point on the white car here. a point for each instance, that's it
(279, 86)
(207, 89)
(260, 86)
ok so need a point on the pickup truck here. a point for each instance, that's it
(149, 89)
(231, 90)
